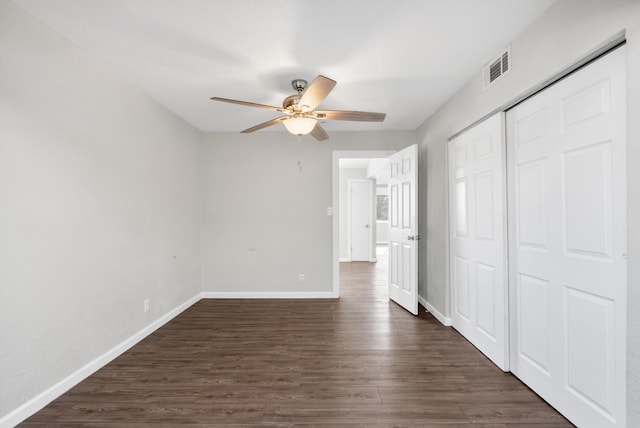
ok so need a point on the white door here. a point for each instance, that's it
(403, 228)
(567, 239)
(477, 238)
(360, 219)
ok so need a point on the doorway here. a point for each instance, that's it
(402, 170)
(358, 165)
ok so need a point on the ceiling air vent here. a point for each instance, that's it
(497, 68)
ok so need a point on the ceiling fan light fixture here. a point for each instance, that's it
(300, 125)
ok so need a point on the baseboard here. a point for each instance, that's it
(273, 295)
(41, 400)
(344, 259)
(446, 321)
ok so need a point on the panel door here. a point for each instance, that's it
(567, 205)
(477, 238)
(403, 228)
(360, 219)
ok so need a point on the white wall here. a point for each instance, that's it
(99, 209)
(564, 34)
(346, 174)
(265, 221)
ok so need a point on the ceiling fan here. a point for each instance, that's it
(300, 114)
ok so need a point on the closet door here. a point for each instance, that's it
(477, 238)
(567, 242)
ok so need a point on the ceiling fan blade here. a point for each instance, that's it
(265, 124)
(319, 133)
(316, 92)
(245, 103)
(362, 116)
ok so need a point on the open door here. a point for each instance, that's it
(403, 228)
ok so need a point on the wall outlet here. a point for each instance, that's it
(146, 305)
(301, 277)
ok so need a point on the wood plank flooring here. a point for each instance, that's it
(357, 361)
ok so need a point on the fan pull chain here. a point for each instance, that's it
(299, 149)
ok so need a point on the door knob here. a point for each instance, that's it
(366, 225)
(413, 237)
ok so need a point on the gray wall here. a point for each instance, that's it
(99, 209)
(564, 34)
(265, 220)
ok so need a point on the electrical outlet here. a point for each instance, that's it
(146, 305)
(301, 277)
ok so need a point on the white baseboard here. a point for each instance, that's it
(446, 321)
(273, 295)
(344, 259)
(41, 400)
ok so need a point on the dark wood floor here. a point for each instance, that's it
(357, 361)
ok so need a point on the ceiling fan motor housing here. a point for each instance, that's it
(294, 100)
(291, 100)
(299, 85)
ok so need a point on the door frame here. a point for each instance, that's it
(335, 208)
(370, 233)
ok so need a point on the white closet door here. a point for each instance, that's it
(567, 241)
(477, 238)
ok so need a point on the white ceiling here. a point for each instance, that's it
(401, 57)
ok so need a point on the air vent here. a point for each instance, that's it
(497, 68)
